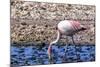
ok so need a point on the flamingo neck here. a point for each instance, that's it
(57, 39)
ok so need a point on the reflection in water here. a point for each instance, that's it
(33, 55)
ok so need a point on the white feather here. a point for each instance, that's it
(65, 27)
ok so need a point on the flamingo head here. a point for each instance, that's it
(49, 52)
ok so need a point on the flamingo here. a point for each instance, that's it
(68, 28)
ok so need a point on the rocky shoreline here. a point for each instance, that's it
(36, 22)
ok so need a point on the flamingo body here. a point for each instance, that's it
(68, 28)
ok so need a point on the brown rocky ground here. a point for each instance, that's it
(36, 22)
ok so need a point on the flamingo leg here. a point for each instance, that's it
(73, 39)
(66, 48)
(74, 44)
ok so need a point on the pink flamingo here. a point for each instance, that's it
(68, 28)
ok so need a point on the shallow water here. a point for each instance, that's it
(34, 55)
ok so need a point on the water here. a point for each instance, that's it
(33, 55)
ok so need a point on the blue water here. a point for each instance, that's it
(35, 55)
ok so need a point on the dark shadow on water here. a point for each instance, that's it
(35, 55)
